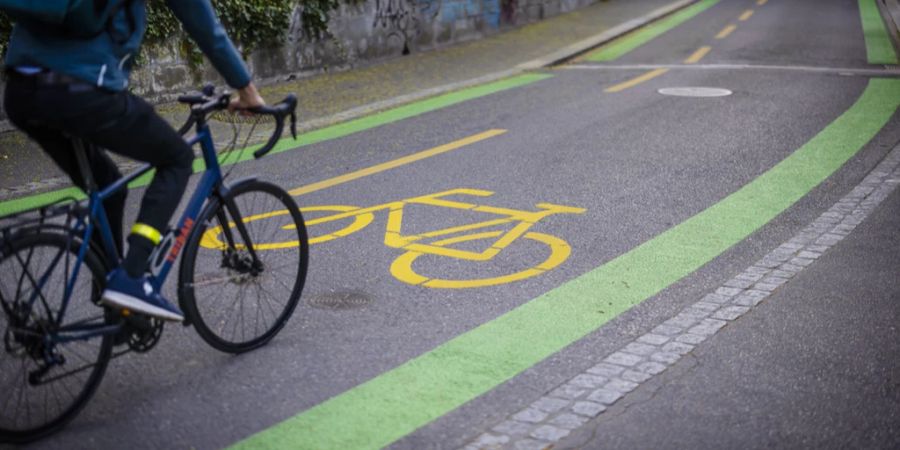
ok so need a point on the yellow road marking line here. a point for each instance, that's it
(402, 269)
(761, 2)
(698, 55)
(462, 228)
(746, 15)
(636, 81)
(324, 184)
(726, 31)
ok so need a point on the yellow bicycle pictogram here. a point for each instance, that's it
(439, 242)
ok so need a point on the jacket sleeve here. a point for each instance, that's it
(201, 23)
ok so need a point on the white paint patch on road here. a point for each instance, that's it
(695, 92)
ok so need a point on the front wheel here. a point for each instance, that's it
(237, 292)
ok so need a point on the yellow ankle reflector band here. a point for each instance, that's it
(148, 232)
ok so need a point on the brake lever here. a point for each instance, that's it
(294, 124)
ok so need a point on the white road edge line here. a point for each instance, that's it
(886, 71)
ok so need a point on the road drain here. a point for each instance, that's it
(340, 300)
(695, 92)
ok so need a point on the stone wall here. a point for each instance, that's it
(371, 30)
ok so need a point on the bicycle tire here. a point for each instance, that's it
(21, 339)
(232, 276)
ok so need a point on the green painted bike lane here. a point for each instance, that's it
(631, 41)
(879, 49)
(398, 402)
(878, 46)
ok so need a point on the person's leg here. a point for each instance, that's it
(123, 123)
(139, 133)
(17, 102)
(127, 125)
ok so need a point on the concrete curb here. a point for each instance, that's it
(890, 12)
(595, 41)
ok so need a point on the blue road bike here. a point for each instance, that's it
(57, 340)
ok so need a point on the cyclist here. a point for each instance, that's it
(61, 86)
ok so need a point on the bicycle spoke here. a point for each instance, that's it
(220, 280)
(79, 356)
(241, 313)
(59, 402)
(275, 297)
(240, 307)
(280, 270)
(42, 268)
(283, 285)
(241, 317)
(22, 394)
(232, 308)
(9, 388)
(24, 269)
(269, 304)
(46, 406)
(256, 316)
(37, 286)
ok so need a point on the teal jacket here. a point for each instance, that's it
(106, 60)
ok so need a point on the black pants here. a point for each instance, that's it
(123, 123)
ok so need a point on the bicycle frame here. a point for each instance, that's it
(166, 253)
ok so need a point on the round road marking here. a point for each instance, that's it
(695, 92)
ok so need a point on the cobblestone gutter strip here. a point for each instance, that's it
(585, 396)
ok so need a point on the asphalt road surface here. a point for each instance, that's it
(623, 206)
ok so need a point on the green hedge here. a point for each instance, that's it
(250, 23)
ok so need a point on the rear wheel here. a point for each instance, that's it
(47, 376)
(237, 291)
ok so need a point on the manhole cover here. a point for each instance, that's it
(695, 92)
(340, 300)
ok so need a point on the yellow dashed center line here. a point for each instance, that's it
(693, 59)
(726, 31)
(698, 55)
(636, 81)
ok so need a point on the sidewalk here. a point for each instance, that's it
(335, 97)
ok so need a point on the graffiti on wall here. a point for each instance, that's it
(399, 19)
(430, 10)
(359, 32)
(487, 12)
(508, 10)
(403, 20)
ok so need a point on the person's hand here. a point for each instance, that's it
(248, 97)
